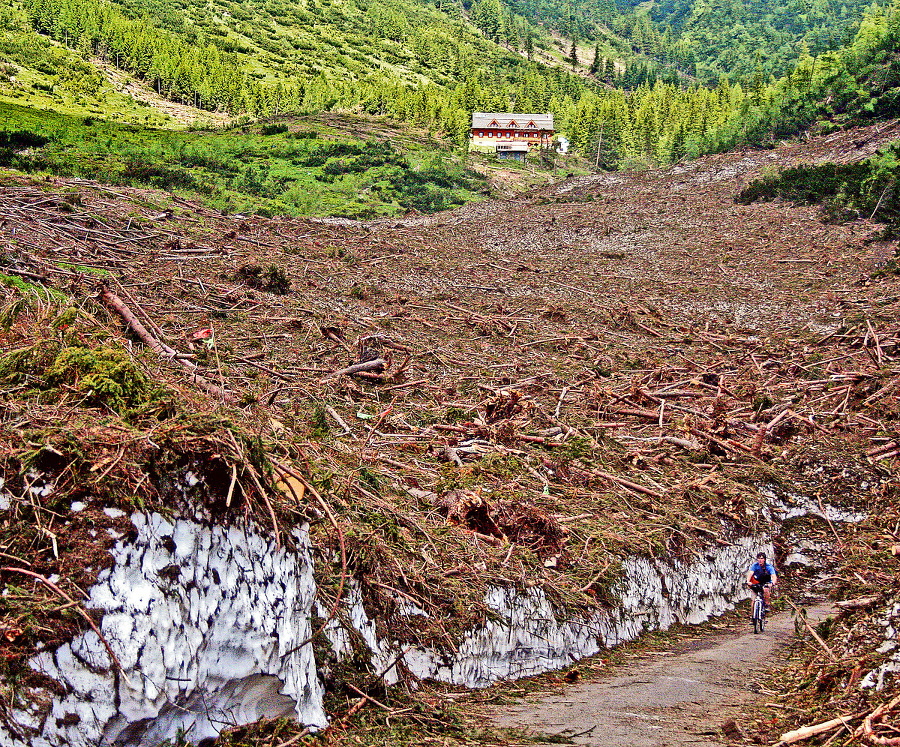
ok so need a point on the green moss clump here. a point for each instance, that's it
(24, 287)
(22, 366)
(66, 318)
(107, 376)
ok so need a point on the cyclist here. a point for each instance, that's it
(762, 577)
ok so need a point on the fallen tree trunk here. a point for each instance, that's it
(377, 363)
(858, 603)
(115, 303)
(805, 732)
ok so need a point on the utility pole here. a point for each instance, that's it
(599, 143)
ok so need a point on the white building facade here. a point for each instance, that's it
(495, 132)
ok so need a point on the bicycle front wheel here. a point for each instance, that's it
(757, 616)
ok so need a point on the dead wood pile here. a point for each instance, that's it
(526, 397)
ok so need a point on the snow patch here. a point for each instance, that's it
(528, 637)
(790, 505)
(877, 678)
(206, 625)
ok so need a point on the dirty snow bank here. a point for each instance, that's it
(528, 637)
(205, 623)
(890, 666)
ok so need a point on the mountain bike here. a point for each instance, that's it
(758, 615)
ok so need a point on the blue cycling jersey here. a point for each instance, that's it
(760, 572)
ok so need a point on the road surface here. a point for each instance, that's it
(666, 699)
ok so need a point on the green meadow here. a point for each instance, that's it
(295, 166)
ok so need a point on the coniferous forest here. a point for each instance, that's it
(628, 85)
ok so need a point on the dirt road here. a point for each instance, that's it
(674, 698)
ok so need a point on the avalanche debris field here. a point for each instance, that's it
(523, 391)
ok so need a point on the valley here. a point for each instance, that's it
(616, 366)
(319, 426)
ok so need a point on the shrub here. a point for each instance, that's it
(140, 170)
(19, 139)
(273, 128)
(846, 191)
(272, 279)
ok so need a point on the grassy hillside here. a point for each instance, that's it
(292, 167)
(271, 57)
(416, 63)
(37, 71)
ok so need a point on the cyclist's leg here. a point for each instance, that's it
(767, 595)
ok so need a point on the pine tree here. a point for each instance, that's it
(595, 65)
(573, 54)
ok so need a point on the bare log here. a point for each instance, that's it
(340, 421)
(866, 729)
(357, 367)
(805, 732)
(858, 603)
(115, 303)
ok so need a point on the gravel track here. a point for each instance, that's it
(680, 697)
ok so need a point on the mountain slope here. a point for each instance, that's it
(741, 38)
(613, 366)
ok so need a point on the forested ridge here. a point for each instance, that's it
(737, 38)
(707, 39)
(432, 65)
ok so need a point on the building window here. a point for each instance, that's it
(490, 134)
